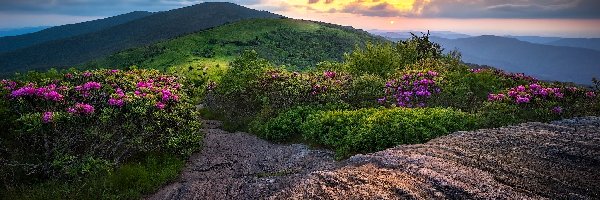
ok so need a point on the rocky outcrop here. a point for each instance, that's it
(559, 160)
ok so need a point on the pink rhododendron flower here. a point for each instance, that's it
(116, 102)
(47, 117)
(28, 90)
(160, 105)
(329, 74)
(557, 110)
(81, 108)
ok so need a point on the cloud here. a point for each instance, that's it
(458, 8)
(90, 7)
(586, 9)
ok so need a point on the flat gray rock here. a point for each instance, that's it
(559, 160)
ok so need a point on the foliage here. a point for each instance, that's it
(130, 181)
(412, 90)
(87, 122)
(367, 130)
(468, 89)
(298, 44)
(286, 125)
(364, 91)
(383, 59)
(253, 86)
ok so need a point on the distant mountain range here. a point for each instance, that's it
(547, 62)
(20, 31)
(549, 58)
(407, 34)
(76, 44)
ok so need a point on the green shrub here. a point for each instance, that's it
(77, 124)
(130, 181)
(365, 90)
(384, 59)
(368, 130)
(285, 126)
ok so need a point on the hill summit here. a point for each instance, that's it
(147, 30)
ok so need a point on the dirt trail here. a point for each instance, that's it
(560, 160)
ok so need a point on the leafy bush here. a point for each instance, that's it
(369, 130)
(469, 89)
(130, 181)
(252, 86)
(364, 91)
(87, 122)
(384, 59)
(286, 125)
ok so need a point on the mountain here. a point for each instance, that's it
(535, 39)
(144, 31)
(545, 62)
(401, 35)
(295, 43)
(21, 31)
(588, 43)
(61, 32)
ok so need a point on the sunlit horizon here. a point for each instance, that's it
(549, 20)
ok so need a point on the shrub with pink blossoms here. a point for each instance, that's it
(523, 94)
(412, 90)
(64, 122)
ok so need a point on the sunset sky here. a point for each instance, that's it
(571, 18)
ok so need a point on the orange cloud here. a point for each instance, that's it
(364, 7)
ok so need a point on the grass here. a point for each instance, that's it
(295, 43)
(130, 181)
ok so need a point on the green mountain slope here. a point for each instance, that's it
(295, 43)
(148, 30)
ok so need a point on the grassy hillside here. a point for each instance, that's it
(148, 30)
(294, 43)
(60, 32)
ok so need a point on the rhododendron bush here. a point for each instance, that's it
(94, 120)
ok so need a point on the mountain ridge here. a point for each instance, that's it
(568, 64)
(147, 30)
(11, 43)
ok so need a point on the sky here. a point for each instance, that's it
(566, 18)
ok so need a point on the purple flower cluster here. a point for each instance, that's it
(329, 74)
(81, 108)
(86, 95)
(590, 94)
(317, 89)
(557, 110)
(163, 87)
(412, 90)
(117, 99)
(160, 105)
(526, 93)
(49, 92)
(8, 85)
(47, 117)
(87, 74)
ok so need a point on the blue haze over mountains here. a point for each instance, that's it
(547, 58)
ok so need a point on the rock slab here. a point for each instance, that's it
(558, 160)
